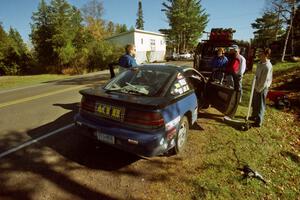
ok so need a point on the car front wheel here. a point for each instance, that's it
(181, 136)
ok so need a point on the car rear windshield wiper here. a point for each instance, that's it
(114, 87)
(133, 88)
(128, 88)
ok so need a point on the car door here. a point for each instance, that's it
(220, 90)
(223, 93)
(197, 82)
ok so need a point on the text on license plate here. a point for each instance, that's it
(104, 137)
(109, 111)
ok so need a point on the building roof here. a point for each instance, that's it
(136, 31)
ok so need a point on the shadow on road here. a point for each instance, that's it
(42, 162)
(70, 166)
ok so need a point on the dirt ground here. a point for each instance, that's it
(289, 81)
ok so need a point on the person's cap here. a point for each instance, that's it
(235, 47)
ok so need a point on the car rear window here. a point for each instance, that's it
(144, 81)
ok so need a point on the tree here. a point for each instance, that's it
(110, 28)
(287, 10)
(268, 29)
(296, 31)
(55, 30)
(140, 21)
(93, 9)
(187, 21)
(3, 43)
(92, 14)
(101, 53)
(18, 54)
(14, 55)
(41, 33)
(67, 40)
(120, 28)
(3, 50)
(65, 22)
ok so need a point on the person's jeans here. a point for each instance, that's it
(240, 82)
(259, 105)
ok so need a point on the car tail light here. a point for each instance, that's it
(144, 119)
(87, 104)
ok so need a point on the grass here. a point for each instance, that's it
(268, 150)
(208, 167)
(273, 150)
(10, 82)
(284, 66)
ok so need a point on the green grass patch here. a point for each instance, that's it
(10, 82)
(273, 150)
(268, 150)
(208, 167)
(285, 66)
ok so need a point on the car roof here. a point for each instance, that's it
(165, 66)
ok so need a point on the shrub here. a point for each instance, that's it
(101, 53)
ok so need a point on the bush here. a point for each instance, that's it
(13, 69)
(70, 71)
(101, 53)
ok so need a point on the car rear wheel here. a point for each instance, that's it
(181, 136)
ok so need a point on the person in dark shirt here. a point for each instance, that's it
(128, 61)
(220, 60)
(218, 64)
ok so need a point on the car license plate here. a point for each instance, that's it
(104, 137)
(111, 112)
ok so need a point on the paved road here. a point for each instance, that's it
(64, 165)
(25, 109)
(40, 171)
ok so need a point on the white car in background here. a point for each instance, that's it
(185, 56)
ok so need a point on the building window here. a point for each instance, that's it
(142, 41)
(152, 44)
(161, 42)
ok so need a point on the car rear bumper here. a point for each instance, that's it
(137, 142)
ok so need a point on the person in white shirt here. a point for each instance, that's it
(242, 67)
(264, 73)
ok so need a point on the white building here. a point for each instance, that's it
(150, 46)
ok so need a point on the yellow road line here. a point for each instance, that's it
(39, 96)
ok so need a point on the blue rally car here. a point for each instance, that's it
(148, 110)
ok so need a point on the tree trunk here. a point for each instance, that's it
(183, 40)
(289, 31)
(286, 42)
(278, 25)
(292, 42)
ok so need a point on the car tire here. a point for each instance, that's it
(181, 136)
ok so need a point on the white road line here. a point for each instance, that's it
(29, 142)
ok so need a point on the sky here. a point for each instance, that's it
(236, 14)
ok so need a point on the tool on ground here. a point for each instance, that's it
(250, 173)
